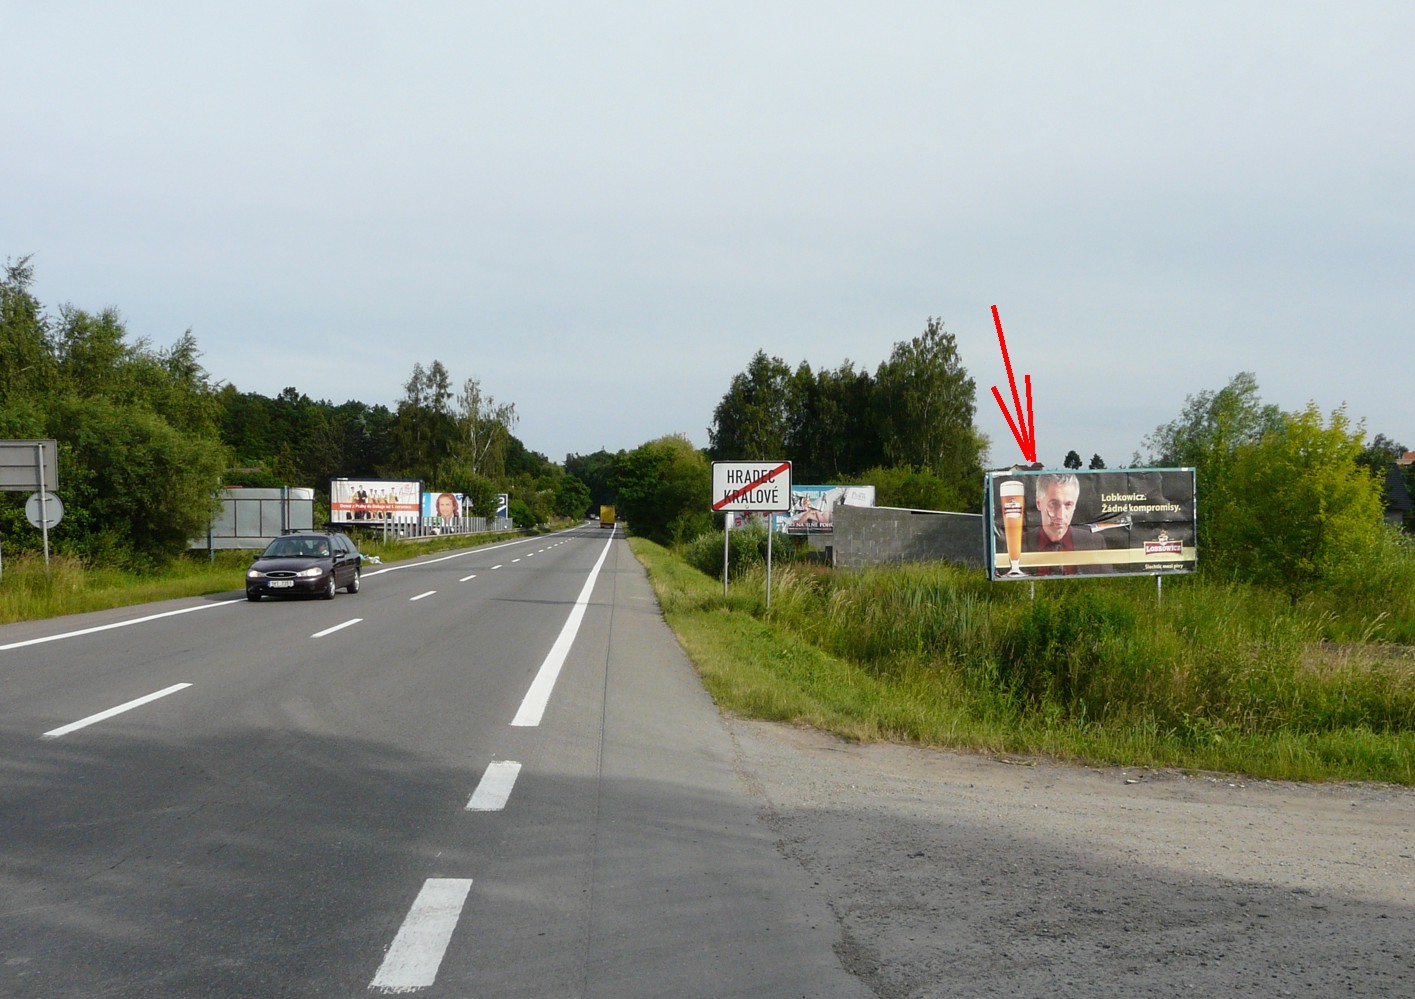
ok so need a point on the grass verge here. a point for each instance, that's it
(1218, 679)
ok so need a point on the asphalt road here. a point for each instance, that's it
(488, 774)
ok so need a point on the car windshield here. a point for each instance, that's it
(298, 548)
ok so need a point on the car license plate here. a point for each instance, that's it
(276, 584)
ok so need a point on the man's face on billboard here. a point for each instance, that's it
(1057, 505)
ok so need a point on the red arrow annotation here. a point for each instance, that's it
(737, 494)
(1024, 430)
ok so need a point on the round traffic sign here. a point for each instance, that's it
(37, 513)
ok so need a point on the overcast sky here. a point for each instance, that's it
(603, 210)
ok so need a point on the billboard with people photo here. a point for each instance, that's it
(442, 508)
(374, 501)
(1059, 524)
(811, 507)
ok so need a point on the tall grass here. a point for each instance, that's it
(29, 590)
(1214, 675)
(1369, 601)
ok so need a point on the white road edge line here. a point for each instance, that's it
(421, 595)
(416, 952)
(91, 719)
(337, 627)
(494, 790)
(538, 696)
(116, 624)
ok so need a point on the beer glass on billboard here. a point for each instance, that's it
(1012, 494)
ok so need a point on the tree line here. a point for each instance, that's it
(1290, 500)
(147, 437)
(908, 427)
(460, 442)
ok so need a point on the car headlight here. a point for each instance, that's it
(313, 570)
(254, 574)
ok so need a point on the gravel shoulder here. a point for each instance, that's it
(960, 875)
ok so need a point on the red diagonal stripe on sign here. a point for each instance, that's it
(732, 497)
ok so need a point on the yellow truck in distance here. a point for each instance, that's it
(606, 516)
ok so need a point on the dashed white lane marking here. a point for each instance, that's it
(416, 952)
(496, 567)
(465, 578)
(429, 561)
(85, 722)
(421, 595)
(538, 696)
(337, 627)
(494, 790)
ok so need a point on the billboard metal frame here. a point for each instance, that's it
(1125, 522)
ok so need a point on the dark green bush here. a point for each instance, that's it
(746, 550)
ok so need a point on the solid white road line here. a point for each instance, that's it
(337, 627)
(538, 696)
(421, 595)
(85, 722)
(494, 790)
(116, 624)
(416, 952)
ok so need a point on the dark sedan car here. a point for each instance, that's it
(313, 563)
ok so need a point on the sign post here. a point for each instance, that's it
(33, 465)
(750, 487)
(43, 499)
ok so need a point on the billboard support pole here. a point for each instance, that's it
(1159, 589)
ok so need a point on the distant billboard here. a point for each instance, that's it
(811, 507)
(439, 508)
(374, 501)
(1060, 524)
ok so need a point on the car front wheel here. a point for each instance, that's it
(329, 589)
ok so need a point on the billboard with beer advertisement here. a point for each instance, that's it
(1064, 523)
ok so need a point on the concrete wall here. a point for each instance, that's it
(880, 535)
